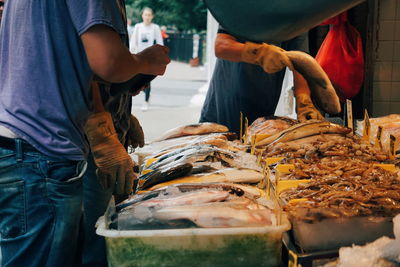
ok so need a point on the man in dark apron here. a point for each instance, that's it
(247, 85)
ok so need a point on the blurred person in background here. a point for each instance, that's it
(164, 33)
(145, 34)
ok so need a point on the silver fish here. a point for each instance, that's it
(321, 87)
(217, 215)
(230, 175)
(190, 198)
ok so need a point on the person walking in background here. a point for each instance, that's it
(164, 33)
(145, 34)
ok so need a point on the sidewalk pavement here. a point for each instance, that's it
(176, 99)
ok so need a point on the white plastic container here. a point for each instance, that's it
(252, 246)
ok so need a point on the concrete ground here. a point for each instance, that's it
(174, 100)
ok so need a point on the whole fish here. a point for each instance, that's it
(190, 198)
(230, 175)
(194, 129)
(305, 129)
(164, 174)
(247, 191)
(217, 215)
(321, 87)
(192, 154)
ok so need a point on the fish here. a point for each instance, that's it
(190, 198)
(305, 129)
(191, 154)
(193, 129)
(247, 191)
(321, 87)
(205, 155)
(164, 174)
(229, 175)
(217, 215)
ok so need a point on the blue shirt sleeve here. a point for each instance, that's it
(87, 13)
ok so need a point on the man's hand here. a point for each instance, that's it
(305, 109)
(115, 166)
(155, 59)
(271, 58)
(135, 133)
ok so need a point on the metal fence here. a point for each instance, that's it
(182, 46)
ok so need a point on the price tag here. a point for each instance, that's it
(241, 127)
(392, 147)
(367, 126)
(349, 108)
(253, 143)
(268, 181)
(378, 142)
(246, 126)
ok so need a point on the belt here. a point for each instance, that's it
(11, 143)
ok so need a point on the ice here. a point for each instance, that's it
(371, 254)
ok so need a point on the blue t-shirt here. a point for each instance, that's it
(44, 71)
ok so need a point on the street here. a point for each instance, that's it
(170, 100)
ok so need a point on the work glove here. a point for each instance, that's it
(135, 133)
(305, 108)
(114, 165)
(270, 57)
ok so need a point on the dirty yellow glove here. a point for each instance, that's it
(114, 165)
(270, 57)
(135, 133)
(305, 108)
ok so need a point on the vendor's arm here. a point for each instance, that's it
(271, 58)
(305, 108)
(113, 62)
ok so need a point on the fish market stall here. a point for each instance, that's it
(337, 188)
(207, 195)
(198, 199)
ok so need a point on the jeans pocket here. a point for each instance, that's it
(66, 173)
(12, 209)
(7, 158)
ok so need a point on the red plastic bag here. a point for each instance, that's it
(341, 56)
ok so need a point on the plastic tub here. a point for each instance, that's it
(253, 246)
(333, 233)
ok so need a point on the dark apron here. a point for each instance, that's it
(242, 87)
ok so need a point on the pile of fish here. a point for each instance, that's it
(345, 179)
(202, 180)
(213, 205)
(197, 160)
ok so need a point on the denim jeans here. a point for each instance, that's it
(40, 209)
(95, 202)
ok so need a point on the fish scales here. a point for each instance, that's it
(321, 87)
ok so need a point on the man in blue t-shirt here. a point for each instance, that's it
(49, 51)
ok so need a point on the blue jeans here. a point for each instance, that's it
(95, 202)
(40, 209)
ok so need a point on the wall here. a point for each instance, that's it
(386, 70)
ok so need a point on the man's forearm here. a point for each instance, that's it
(300, 84)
